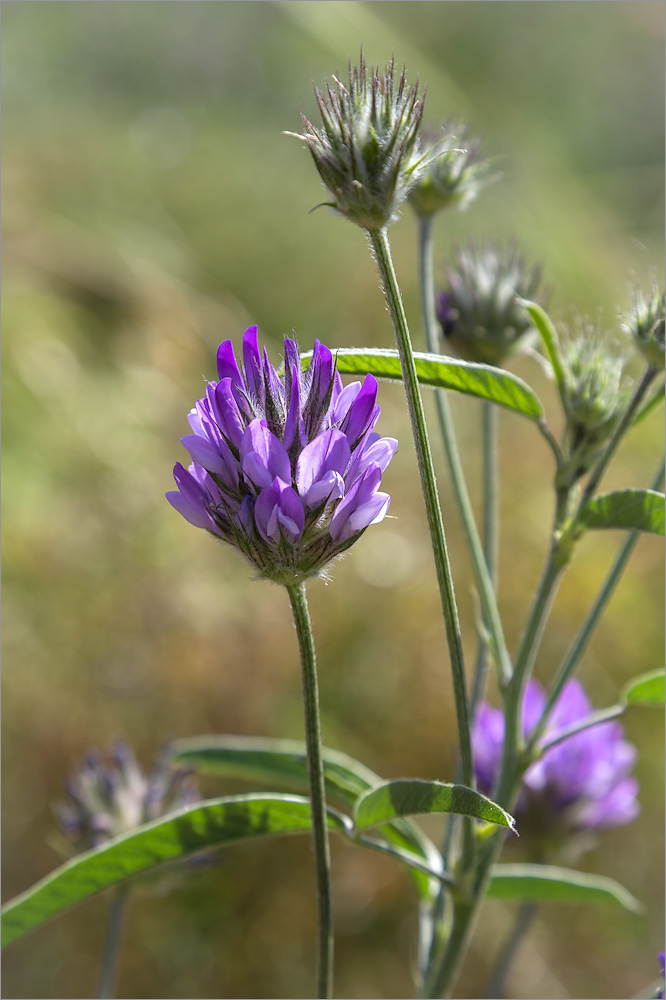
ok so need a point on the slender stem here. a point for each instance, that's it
(490, 532)
(507, 954)
(482, 576)
(513, 737)
(114, 931)
(618, 434)
(594, 719)
(380, 246)
(579, 646)
(303, 625)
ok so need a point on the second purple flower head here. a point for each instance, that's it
(286, 468)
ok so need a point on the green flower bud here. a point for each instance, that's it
(453, 176)
(477, 308)
(594, 397)
(367, 150)
(645, 325)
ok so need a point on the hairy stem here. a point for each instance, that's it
(380, 247)
(114, 931)
(303, 625)
(522, 923)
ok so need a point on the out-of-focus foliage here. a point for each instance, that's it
(152, 208)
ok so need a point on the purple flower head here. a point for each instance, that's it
(111, 795)
(285, 467)
(582, 783)
(660, 958)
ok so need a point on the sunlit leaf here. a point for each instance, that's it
(527, 883)
(636, 510)
(648, 689)
(483, 381)
(180, 834)
(412, 797)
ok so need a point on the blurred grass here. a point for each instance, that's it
(152, 208)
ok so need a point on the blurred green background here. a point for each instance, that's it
(152, 208)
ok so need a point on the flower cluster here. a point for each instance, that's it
(582, 783)
(477, 308)
(286, 468)
(367, 150)
(645, 324)
(454, 174)
(110, 796)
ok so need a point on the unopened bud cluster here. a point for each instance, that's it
(111, 795)
(594, 397)
(367, 150)
(478, 309)
(645, 325)
(454, 174)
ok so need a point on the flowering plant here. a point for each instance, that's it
(286, 466)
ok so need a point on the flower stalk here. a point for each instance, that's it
(382, 253)
(114, 931)
(306, 647)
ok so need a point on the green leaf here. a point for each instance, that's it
(637, 510)
(412, 797)
(651, 405)
(548, 333)
(483, 381)
(648, 689)
(526, 883)
(171, 838)
(285, 762)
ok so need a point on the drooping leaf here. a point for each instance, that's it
(636, 510)
(285, 762)
(548, 333)
(648, 689)
(176, 836)
(413, 797)
(527, 883)
(483, 381)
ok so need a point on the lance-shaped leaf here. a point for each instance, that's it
(548, 333)
(483, 381)
(648, 689)
(527, 883)
(636, 510)
(176, 836)
(413, 797)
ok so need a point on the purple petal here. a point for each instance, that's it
(330, 487)
(204, 454)
(278, 512)
(263, 456)
(344, 399)
(230, 421)
(329, 452)
(371, 449)
(226, 363)
(362, 506)
(534, 702)
(363, 412)
(487, 741)
(252, 362)
(294, 427)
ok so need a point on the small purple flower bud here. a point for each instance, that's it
(286, 468)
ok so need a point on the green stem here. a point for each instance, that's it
(380, 246)
(618, 434)
(594, 719)
(479, 563)
(114, 931)
(303, 625)
(581, 642)
(513, 697)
